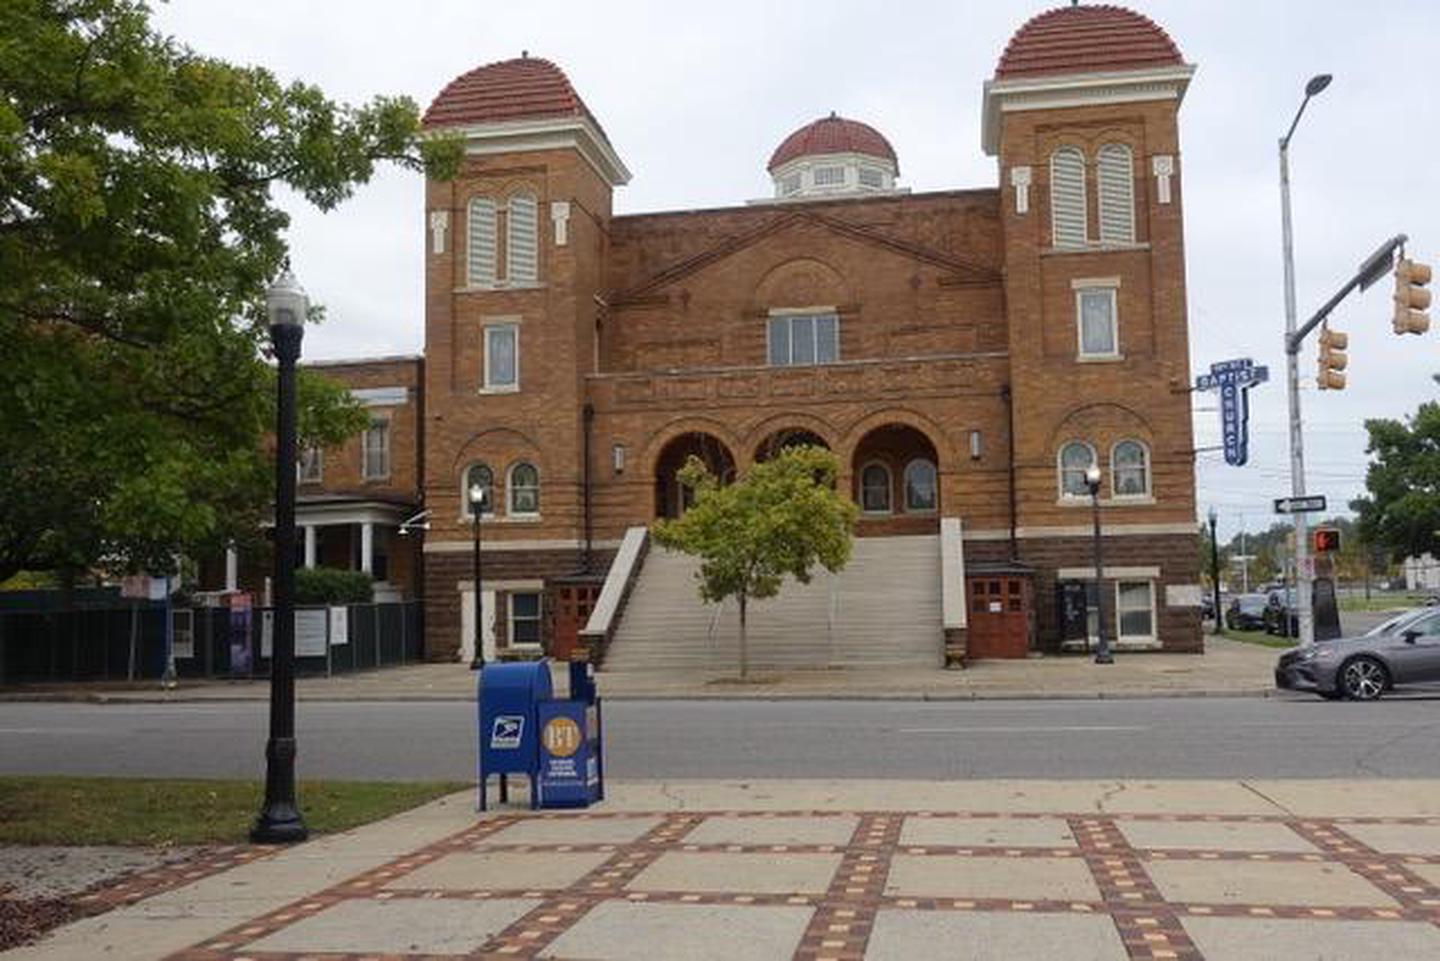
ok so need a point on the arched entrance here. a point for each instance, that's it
(788, 437)
(672, 497)
(896, 471)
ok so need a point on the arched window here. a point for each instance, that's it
(1115, 186)
(1130, 469)
(1076, 458)
(920, 493)
(1067, 197)
(875, 489)
(480, 238)
(522, 240)
(484, 477)
(524, 489)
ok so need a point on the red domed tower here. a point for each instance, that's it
(833, 155)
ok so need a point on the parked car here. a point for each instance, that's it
(1403, 650)
(1247, 612)
(1282, 617)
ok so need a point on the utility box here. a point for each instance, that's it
(509, 697)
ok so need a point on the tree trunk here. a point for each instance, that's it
(744, 653)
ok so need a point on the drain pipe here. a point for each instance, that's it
(1009, 399)
(589, 412)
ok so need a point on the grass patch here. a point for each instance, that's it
(1259, 638)
(146, 811)
(1380, 602)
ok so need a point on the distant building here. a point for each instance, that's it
(1422, 573)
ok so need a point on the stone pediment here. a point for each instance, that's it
(955, 271)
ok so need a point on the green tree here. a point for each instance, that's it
(783, 517)
(1401, 512)
(137, 233)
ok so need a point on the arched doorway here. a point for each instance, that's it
(788, 437)
(897, 473)
(672, 497)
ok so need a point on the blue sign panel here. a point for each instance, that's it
(569, 754)
(1233, 379)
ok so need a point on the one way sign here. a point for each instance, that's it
(1310, 504)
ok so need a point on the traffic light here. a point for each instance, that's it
(1332, 359)
(1411, 297)
(1327, 540)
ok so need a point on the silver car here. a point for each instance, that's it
(1402, 650)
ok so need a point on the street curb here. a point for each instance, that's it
(159, 697)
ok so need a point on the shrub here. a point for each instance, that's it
(330, 585)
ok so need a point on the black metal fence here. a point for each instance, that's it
(129, 643)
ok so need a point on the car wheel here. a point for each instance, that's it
(1363, 679)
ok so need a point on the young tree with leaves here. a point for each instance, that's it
(138, 232)
(781, 518)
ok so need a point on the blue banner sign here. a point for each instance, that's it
(1233, 379)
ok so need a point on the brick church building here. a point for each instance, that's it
(967, 354)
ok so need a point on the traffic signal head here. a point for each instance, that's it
(1411, 297)
(1332, 359)
(1327, 540)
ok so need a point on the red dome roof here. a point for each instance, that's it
(518, 89)
(833, 134)
(1086, 39)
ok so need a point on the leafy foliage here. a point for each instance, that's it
(1402, 510)
(332, 585)
(780, 519)
(137, 234)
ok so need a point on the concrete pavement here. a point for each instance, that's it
(1220, 870)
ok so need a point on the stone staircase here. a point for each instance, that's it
(882, 610)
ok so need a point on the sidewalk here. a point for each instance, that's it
(1219, 870)
(1227, 668)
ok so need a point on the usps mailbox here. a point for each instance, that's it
(572, 764)
(509, 698)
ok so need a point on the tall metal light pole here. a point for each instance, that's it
(1102, 646)
(1303, 573)
(477, 507)
(279, 821)
(1215, 574)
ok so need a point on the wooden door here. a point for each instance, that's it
(573, 604)
(999, 616)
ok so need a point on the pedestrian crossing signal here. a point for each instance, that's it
(1327, 540)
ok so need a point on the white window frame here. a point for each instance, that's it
(828, 169)
(1115, 193)
(510, 488)
(487, 385)
(1109, 286)
(875, 173)
(1149, 491)
(889, 489)
(365, 450)
(489, 509)
(539, 620)
(519, 273)
(1120, 634)
(1066, 495)
(475, 275)
(789, 317)
(1056, 240)
(310, 467)
(905, 486)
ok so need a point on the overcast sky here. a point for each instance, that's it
(695, 98)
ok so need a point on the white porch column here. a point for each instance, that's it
(232, 569)
(367, 547)
(309, 545)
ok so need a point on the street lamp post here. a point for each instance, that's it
(1102, 647)
(1292, 372)
(279, 821)
(1215, 574)
(477, 507)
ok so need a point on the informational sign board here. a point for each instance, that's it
(1233, 379)
(1310, 504)
(183, 628)
(569, 754)
(339, 626)
(311, 633)
(143, 587)
(240, 661)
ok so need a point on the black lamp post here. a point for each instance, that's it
(279, 821)
(1102, 647)
(477, 507)
(1215, 574)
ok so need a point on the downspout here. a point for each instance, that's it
(1009, 399)
(589, 411)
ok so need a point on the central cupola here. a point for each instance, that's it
(833, 156)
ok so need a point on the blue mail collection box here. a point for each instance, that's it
(525, 730)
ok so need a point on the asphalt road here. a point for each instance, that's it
(1170, 738)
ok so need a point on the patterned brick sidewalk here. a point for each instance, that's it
(880, 885)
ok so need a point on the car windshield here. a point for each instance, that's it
(1397, 622)
(1252, 605)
